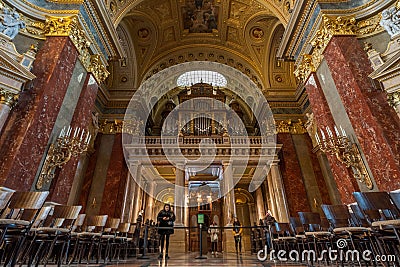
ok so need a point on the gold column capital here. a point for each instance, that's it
(292, 127)
(394, 99)
(8, 98)
(305, 68)
(330, 26)
(69, 26)
(60, 26)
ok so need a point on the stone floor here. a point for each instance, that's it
(189, 259)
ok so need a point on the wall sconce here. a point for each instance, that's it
(65, 147)
(345, 151)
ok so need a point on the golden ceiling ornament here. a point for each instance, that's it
(111, 126)
(8, 98)
(305, 68)
(331, 26)
(292, 127)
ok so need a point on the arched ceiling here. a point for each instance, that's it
(243, 34)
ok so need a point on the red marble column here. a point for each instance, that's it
(62, 183)
(322, 115)
(375, 123)
(31, 122)
(88, 180)
(114, 189)
(323, 189)
(292, 177)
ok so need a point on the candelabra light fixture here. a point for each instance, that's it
(346, 152)
(65, 147)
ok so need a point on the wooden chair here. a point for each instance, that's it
(121, 240)
(108, 236)
(285, 236)
(316, 237)
(89, 238)
(22, 211)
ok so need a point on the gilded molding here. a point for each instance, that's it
(111, 126)
(292, 127)
(69, 26)
(61, 26)
(8, 98)
(330, 26)
(97, 68)
(305, 68)
(394, 99)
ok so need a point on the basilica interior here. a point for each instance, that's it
(224, 109)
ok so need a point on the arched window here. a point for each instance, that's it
(192, 77)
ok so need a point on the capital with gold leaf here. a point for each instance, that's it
(8, 98)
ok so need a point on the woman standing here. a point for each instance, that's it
(213, 232)
(165, 219)
(237, 232)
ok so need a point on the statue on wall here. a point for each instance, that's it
(391, 21)
(10, 22)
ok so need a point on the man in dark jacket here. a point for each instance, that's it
(165, 219)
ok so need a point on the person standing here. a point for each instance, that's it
(237, 232)
(165, 219)
(213, 232)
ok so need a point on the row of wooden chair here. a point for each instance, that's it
(33, 232)
(370, 224)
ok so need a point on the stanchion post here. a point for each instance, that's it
(146, 235)
(201, 257)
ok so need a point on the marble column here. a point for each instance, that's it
(229, 199)
(279, 191)
(179, 199)
(28, 130)
(260, 204)
(294, 185)
(89, 173)
(375, 123)
(150, 202)
(272, 200)
(137, 198)
(7, 100)
(130, 196)
(345, 183)
(62, 183)
(117, 173)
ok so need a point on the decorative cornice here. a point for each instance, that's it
(8, 98)
(284, 126)
(330, 26)
(292, 127)
(69, 26)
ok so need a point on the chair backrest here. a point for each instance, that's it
(283, 229)
(42, 216)
(77, 227)
(28, 203)
(4, 199)
(124, 228)
(337, 215)
(358, 215)
(96, 223)
(65, 216)
(311, 221)
(395, 196)
(376, 205)
(297, 226)
(112, 224)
